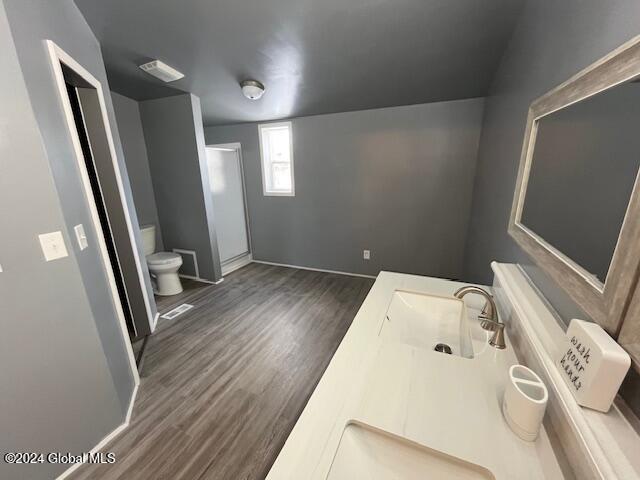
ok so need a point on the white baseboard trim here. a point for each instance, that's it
(155, 322)
(198, 279)
(134, 394)
(105, 441)
(237, 264)
(315, 269)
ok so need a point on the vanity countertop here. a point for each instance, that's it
(444, 402)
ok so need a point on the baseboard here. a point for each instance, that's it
(315, 269)
(105, 441)
(155, 322)
(237, 264)
(198, 279)
(134, 394)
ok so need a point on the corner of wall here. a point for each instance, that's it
(204, 176)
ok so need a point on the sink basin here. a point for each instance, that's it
(370, 454)
(423, 321)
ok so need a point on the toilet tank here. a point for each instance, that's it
(148, 238)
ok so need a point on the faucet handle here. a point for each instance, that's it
(497, 339)
(490, 325)
(488, 319)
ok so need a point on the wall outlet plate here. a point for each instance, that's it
(366, 254)
(592, 364)
(53, 246)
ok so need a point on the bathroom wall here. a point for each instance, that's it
(127, 114)
(66, 377)
(178, 163)
(397, 181)
(552, 42)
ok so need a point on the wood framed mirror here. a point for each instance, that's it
(576, 207)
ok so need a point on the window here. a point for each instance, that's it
(276, 149)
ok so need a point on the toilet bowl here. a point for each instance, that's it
(163, 266)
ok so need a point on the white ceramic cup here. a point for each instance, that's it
(525, 400)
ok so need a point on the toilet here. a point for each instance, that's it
(163, 266)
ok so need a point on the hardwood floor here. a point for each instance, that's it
(224, 383)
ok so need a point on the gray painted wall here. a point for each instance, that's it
(178, 163)
(552, 41)
(397, 181)
(66, 378)
(135, 155)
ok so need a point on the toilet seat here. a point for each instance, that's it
(164, 259)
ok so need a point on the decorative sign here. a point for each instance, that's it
(592, 364)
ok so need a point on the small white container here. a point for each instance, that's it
(525, 401)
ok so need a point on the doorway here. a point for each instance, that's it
(104, 189)
(96, 190)
(227, 189)
(83, 105)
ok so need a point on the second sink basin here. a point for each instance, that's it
(368, 453)
(423, 321)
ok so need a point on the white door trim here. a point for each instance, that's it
(58, 56)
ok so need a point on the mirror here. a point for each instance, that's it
(576, 207)
(585, 162)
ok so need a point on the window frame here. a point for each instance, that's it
(261, 135)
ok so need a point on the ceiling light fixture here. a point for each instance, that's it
(252, 89)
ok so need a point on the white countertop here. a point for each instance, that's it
(444, 402)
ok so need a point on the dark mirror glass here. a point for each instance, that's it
(584, 166)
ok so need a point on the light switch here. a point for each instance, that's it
(81, 237)
(53, 246)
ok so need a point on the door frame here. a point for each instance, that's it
(59, 57)
(237, 147)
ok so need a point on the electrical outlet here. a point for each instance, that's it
(366, 254)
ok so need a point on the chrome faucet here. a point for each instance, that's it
(489, 311)
(488, 316)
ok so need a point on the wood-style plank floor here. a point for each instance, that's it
(224, 383)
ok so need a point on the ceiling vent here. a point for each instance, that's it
(162, 71)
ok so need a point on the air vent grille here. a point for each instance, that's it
(162, 71)
(179, 310)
